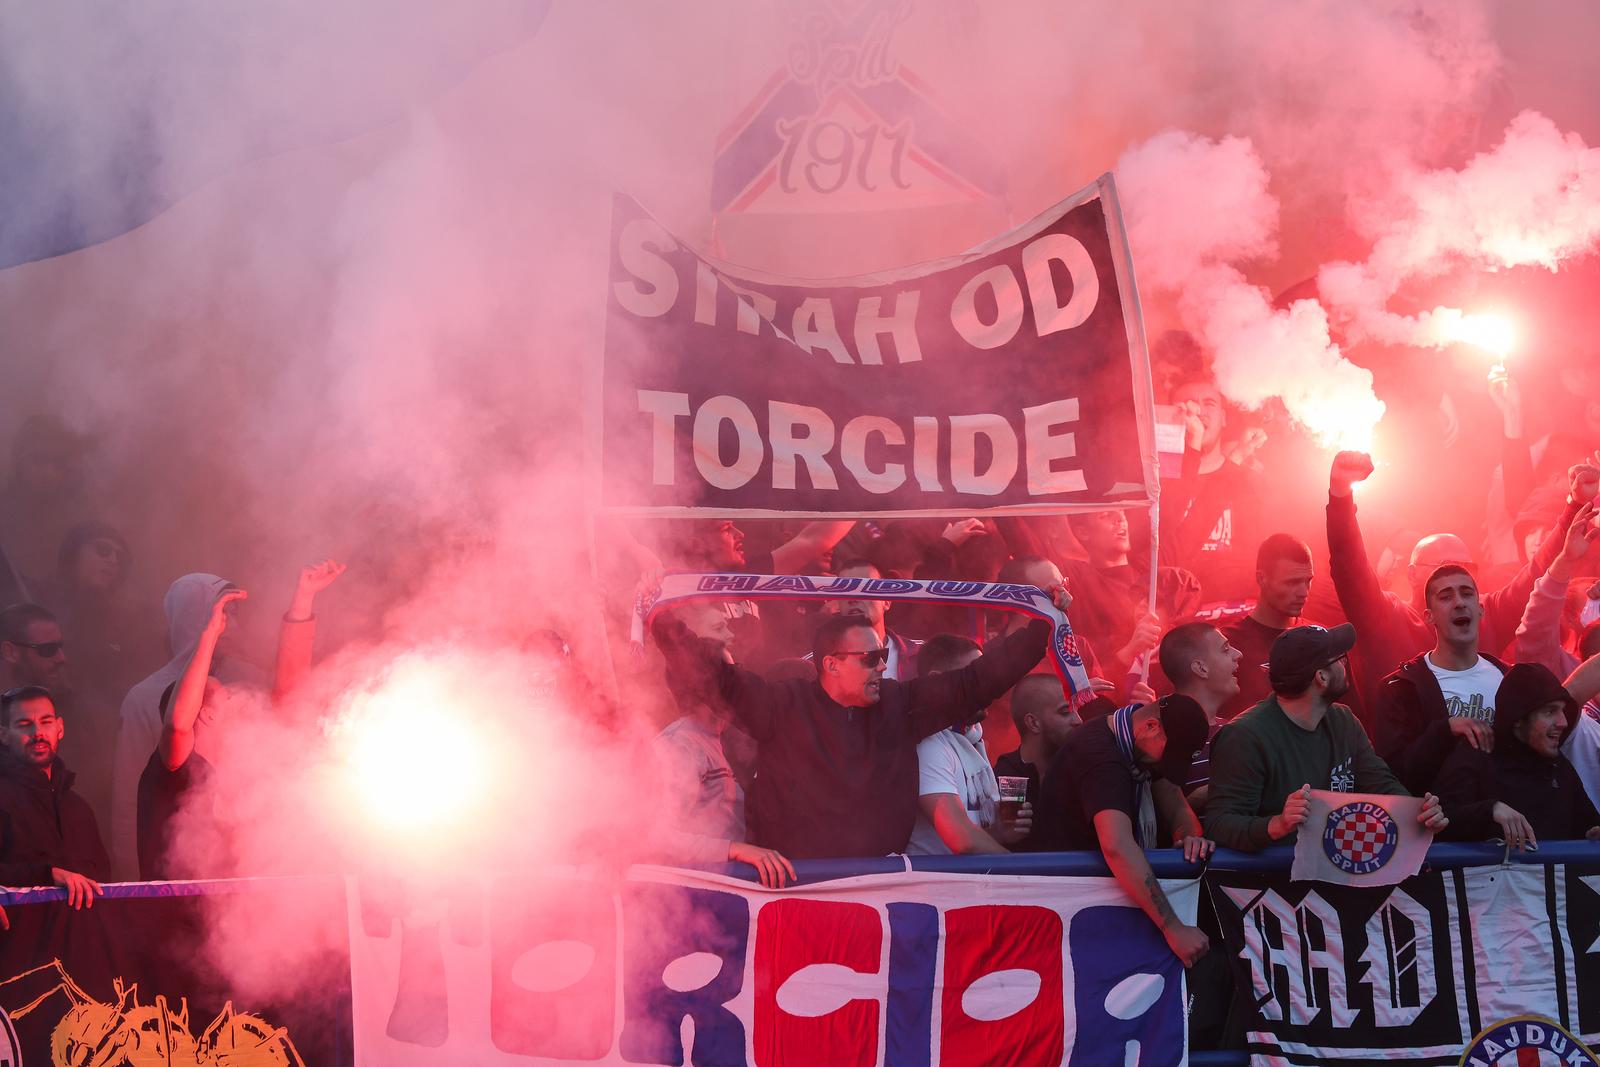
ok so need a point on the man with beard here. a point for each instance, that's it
(1444, 694)
(1044, 718)
(48, 834)
(1265, 763)
(1524, 789)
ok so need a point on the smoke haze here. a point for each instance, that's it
(363, 317)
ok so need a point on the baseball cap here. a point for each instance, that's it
(1185, 724)
(1301, 652)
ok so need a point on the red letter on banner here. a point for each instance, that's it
(980, 941)
(792, 935)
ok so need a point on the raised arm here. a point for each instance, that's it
(1354, 580)
(188, 697)
(815, 540)
(952, 698)
(1539, 633)
(1584, 683)
(1132, 871)
(298, 632)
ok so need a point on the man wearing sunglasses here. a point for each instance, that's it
(32, 650)
(837, 773)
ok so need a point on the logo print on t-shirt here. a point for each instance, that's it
(1472, 708)
(1360, 838)
(1342, 779)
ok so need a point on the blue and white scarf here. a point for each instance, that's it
(671, 589)
(1122, 729)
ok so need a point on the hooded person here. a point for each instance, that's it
(187, 606)
(1524, 789)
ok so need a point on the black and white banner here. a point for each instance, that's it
(1012, 378)
(1427, 971)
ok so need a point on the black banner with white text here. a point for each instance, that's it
(1009, 379)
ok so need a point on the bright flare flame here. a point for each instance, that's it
(414, 754)
(1493, 333)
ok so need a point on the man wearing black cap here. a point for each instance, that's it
(1523, 789)
(1115, 784)
(1265, 763)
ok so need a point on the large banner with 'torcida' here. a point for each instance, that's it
(1010, 379)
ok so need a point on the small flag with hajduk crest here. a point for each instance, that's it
(1360, 839)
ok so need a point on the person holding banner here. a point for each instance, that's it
(1523, 789)
(837, 772)
(1265, 763)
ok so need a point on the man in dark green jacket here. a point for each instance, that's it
(1265, 762)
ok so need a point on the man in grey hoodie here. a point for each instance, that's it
(188, 607)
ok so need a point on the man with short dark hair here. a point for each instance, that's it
(902, 662)
(1392, 630)
(701, 793)
(838, 763)
(1202, 665)
(1283, 584)
(1444, 694)
(1112, 595)
(1210, 513)
(32, 649)
(1113, 786)
(48, 834)
(957, 790)
(1524, 789)
(1044, 718)
(1265, 763)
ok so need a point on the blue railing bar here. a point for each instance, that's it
(1167, 863)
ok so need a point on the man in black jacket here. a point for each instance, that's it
(837, 771)
(48, 833)
(1525, 789)
(1445, 694)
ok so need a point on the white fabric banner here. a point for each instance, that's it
(662, 966)
(1360, 839)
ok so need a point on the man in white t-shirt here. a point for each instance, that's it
(959, 796)
(1445, 696)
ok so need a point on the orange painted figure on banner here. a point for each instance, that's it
(93, 1033)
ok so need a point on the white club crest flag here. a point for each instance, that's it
(1360, 839)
